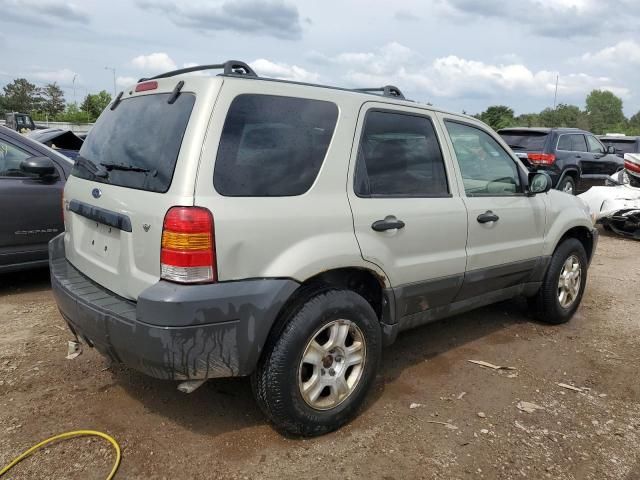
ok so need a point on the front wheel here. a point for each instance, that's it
(313, 378)
(563, 285)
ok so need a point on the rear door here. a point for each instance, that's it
(506, 227)
(31, 208)
(138, 161)
(408, 216)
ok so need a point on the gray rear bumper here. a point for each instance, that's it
(173, 331)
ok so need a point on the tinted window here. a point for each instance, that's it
(399, 155)
(622, 146)
(594, 145)
(137, 143)
(487, 169)
(565, 143)
(10, 159)
(525, 140)
(273, 146)
(579, 143)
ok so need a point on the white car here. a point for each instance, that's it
(243, 226)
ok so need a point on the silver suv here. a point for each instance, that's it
(234, 225)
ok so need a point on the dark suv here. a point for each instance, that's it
(621, 143)
(575, 159)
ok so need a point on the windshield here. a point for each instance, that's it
(524, 140)
(136, 145)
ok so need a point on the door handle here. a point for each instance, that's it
(578, 156)
(389, 223)
(487, 217)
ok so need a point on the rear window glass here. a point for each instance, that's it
(527, 141)
(273, 146)
(137, 144)
(622, 146)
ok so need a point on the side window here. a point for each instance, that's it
(579, 143)
(565, 143)
(273, 146)
(594, 145)
(399, 156)
(487, 169)
(10, 159)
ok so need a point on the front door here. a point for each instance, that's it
(408, 216)
(506, 227)
(32, 209)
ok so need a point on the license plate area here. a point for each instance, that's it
(102, 241)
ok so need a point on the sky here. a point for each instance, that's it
(461, 55)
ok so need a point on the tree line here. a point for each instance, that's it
(48, 102)
(603, 114)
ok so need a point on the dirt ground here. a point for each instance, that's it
(218, 431)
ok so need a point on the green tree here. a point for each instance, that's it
(53, 99)
(634, 125)
(94, 104)
(605, 111)
(528, 120)
(21, 96)
(497, 117)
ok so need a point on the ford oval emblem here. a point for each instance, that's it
(96, 193)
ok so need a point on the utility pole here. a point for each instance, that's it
(555, 97)
(113, 70)
(74, 87)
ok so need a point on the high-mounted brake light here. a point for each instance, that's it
(188, 252)
(143, 87)
(541, 158)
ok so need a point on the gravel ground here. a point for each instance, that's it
(432, 414)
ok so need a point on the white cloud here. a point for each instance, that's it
(622, 54)
(552, 18)
(63, 76)
(453, 76)
(122, 82)
(154, 62)
(283, 71)
(43, 12)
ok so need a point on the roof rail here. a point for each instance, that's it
(230, 67)
(387, 91)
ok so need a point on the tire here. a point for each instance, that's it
(547, 302)
(567, 185)
(282, 374)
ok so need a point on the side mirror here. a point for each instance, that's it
(611, 149)
(539, 182)
(40, 166)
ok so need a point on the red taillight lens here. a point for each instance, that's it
(541, 158)
(631, 166)
(188, 252)
(143, 87)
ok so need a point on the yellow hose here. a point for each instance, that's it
(66, 436)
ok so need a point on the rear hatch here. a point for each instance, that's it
(524, 141)
(139, 160)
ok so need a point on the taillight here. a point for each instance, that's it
(188, 252)
(541, 158)
(631, 166)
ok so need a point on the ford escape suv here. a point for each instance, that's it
(242, 226)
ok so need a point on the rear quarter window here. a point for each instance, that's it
(272, 145)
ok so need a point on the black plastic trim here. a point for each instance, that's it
(101, 215)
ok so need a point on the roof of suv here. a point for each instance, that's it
(241, 70)
(623, 138)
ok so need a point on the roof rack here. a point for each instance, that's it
(387, 91)
(230, 67)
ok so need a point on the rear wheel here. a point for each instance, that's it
(567, 185)
(563, 285)
(316, 374)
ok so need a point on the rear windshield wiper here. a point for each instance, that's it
(123, 167)
(91, 167)
(517, 147)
